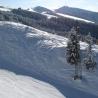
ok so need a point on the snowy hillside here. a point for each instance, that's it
(5, 9)
(79, 13)
(75, 18)
(30, 9)
(48, 15)
(28, 51)
(55, 13)
(16, 86)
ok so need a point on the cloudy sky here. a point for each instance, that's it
(52, 4)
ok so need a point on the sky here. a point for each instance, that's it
(52, 4)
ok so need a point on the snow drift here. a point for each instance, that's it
(28, 51)
(16, 86)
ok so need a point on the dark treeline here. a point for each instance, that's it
(59, 25)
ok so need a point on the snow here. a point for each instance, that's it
(48, 15)
(75, 18)
(43, 13)
(31, 9)
(5, 9)
(18, 86)
(41, 55)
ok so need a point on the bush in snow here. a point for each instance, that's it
(89, 60)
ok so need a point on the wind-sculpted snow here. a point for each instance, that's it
(28, 51)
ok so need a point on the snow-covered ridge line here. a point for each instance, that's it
(49, 39)
(5, 9)
(75, 18)
(48, 15)
(31, 10)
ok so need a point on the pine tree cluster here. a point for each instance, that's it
(73, 53)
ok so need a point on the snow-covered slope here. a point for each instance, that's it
(80, 13)
(55, 13)
(5, 9)
(17, 86)
(48, 15)
(28, 51)
(30, 9)
(75, 18)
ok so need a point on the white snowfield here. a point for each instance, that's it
(17, 86)
(41, 55)
(75, 18)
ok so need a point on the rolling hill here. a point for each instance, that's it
(80, 13)
(28, 51)
(49, 21)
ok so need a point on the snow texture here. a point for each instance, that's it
(27, 51)
(17, 86)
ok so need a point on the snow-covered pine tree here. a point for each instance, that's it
(73, 51)
(89, 60)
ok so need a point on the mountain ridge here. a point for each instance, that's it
(49, 21)
(86, 14)
(41, 9)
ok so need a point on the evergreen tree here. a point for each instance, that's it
(73, 51)
(89, 60)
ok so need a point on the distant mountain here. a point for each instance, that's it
(44, 11)
(40, 9)
(4, 8)
(89, 15)
(49, 21)
(49, 13)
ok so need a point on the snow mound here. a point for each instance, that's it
(17, 86)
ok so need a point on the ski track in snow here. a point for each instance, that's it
(28, 51)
